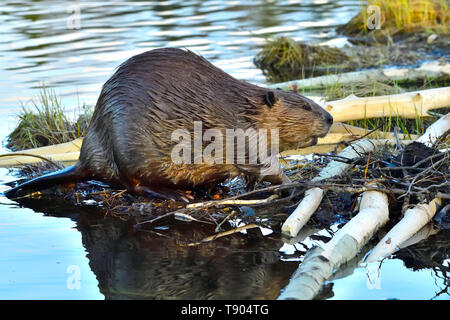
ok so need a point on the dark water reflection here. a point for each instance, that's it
(155, 264)
(150, 266)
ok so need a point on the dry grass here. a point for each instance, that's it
(47, 123)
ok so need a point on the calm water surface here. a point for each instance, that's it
(74, 47)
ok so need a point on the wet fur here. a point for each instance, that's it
(128, 142)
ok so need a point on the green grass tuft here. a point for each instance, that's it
(46, 123)
(283, 59)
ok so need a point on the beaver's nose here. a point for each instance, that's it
(329, 119)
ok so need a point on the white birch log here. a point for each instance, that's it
(313, 197)
(320, 262)
(413, 220)
(64, 152)
(435, 131)
(355, 150)
(427, 231)
(427, 70)
(303, 212)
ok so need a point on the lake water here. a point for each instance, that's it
(55, 251)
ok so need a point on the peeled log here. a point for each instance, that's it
(313, 197)
(435, 131)
(410, 224)
(69, 151)
(303, 212)
(64, 152)
(22, 160)
(407, 105)
(320, 262)
(427, 70)
(71, 146)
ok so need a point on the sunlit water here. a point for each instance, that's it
(74, 47)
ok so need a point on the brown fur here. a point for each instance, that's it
(128, 142)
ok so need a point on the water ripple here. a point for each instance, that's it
(40, 45)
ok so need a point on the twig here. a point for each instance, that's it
(230, 202)
(203, 205)
(421, 174)
(443, 195)
(397, 140)
(359, 138)
(223, 234)
(405, 204)
(433, 186)
(168, 214)
(186, 217)
(224, 220)
(367, 167)
(234, 201)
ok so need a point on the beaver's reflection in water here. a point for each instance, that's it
(133, 264)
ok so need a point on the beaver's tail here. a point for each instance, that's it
(67, 175)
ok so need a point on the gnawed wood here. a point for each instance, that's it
(428, 70)
(435, 131)
(313, 197)
(64, 152)
(413, 220)
(406, 105)
(320, 262)
(303, 212)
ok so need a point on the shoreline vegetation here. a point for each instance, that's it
(398, 20)
(396, 33)
(283, 59)
(46, 122)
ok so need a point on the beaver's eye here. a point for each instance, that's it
(306, 107)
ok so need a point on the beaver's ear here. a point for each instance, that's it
(270, 98)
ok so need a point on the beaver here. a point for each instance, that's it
(128, 142)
